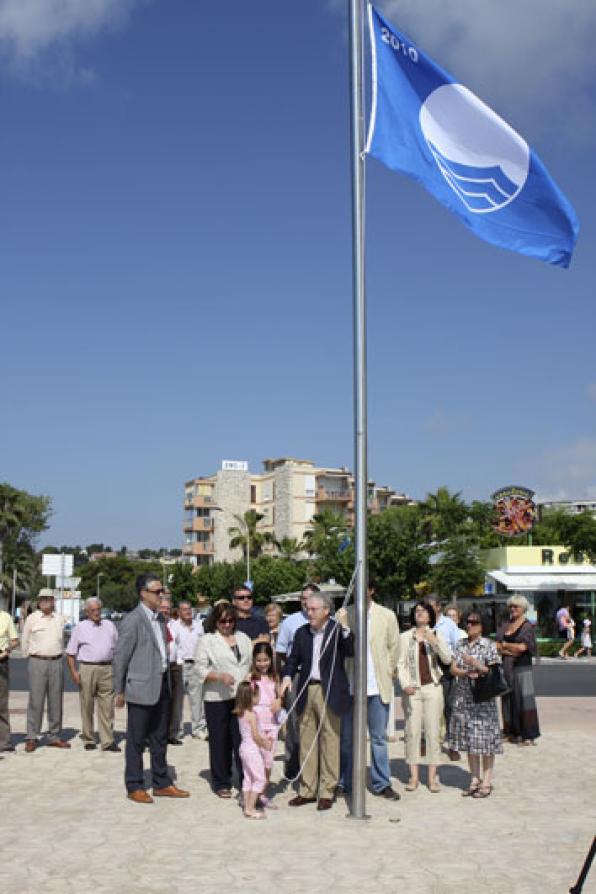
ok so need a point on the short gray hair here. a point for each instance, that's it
(185, 602)
(520, 601)
(166, 597)
(324, 598)
(90, 600)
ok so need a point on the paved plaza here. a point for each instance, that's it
(68, 827)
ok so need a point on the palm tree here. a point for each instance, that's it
(326, 526)
(290, 548)
(247, 536)
(443, 513)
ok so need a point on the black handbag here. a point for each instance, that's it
(490, 685)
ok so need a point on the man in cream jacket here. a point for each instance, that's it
(382, 655)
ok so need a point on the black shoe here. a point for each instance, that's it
(8, 748)
(90, 747)
(175, 742)
(112, 747)
(389, 793)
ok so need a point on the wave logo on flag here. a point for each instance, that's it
(426, 125)
(484, 161)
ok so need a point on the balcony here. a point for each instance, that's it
(333, 496)
(203, 548)
(199, 523)
(200, 502)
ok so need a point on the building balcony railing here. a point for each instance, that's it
(200, 548)
(338, 496)
(199, 502)
(198, 524)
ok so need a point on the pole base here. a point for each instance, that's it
(352, 816)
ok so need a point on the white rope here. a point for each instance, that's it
(335, 637)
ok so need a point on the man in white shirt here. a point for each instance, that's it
(189, 631)
(43, 644)
(382, 654)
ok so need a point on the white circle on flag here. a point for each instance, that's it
(484, 161)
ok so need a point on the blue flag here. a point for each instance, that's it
(428, 126)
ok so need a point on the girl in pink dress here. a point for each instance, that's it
(252, 746)
(268, 707)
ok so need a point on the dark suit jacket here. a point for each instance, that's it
(300, 661)
(137, 659)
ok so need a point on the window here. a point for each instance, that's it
(253, 493)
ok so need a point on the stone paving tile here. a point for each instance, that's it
(68, 826)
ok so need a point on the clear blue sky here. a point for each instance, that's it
(176, 281)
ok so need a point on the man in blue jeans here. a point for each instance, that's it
(382, 654)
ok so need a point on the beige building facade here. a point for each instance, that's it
(287, 493)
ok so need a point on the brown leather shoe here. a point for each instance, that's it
(325, 804)
(298, 801)
(58, 743)
(140, 796)
(30, 745)
(170, 792)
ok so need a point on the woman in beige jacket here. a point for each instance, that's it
(420, 679)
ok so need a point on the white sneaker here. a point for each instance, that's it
(201, 734)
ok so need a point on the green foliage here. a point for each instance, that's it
(273, 576)
(457, 569)
(330, 546)
(22, 517)
(245, 534)
(442, 514)
(117, 581)
(182, 582)
(290, 548)
(398, 555)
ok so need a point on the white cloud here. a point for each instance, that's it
(442, 424)
(568, 472)
(591, 389)
(533, 61)
(37, 36)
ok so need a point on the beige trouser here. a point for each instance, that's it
(321, 769)
(97, 685)
(424, 710)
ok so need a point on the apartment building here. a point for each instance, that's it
(287, 493)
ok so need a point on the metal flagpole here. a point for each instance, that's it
(357, 810)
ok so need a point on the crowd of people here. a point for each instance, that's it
(252, 678)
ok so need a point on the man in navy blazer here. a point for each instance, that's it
(317, 655)
(141, 678)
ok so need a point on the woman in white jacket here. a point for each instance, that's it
(420, 679)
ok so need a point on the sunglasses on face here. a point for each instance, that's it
(156, 592)
(242, 598)
(226, 621)
(473, 621)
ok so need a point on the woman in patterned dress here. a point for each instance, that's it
(474, 727)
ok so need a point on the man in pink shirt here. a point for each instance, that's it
(92, 644)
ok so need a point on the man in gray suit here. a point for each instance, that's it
(141, 678)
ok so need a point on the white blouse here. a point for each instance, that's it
(214, 654)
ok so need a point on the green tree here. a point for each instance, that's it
(290, 548)
(443, 514)
(273, 576)
(456, 570)
(398, 557)
(245, 534)
(22, 517)
(330, 546)
(183, 582)
(117, 581)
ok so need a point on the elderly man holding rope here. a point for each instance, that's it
(317, 656)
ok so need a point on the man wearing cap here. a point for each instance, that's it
(8, 642)
(42, 644)
(92, 644)
(142, 679)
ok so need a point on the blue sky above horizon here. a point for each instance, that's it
(176, 281)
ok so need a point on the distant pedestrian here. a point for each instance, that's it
(516, 644)
(586, 639)
(175, 662)
(474, 726)
(142, 678)
(422, 652)
(190, 630)
(568, 625)
(252, 745)
(43, 644)
(247, 620)
(92, 645)
(8, 642)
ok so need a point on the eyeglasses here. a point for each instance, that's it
(243, 597)
(226, 621)
(155, 592)
(473, 621)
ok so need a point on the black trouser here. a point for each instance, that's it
(148, 723)
(224, 743)
(175, 709)
(447, 682)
